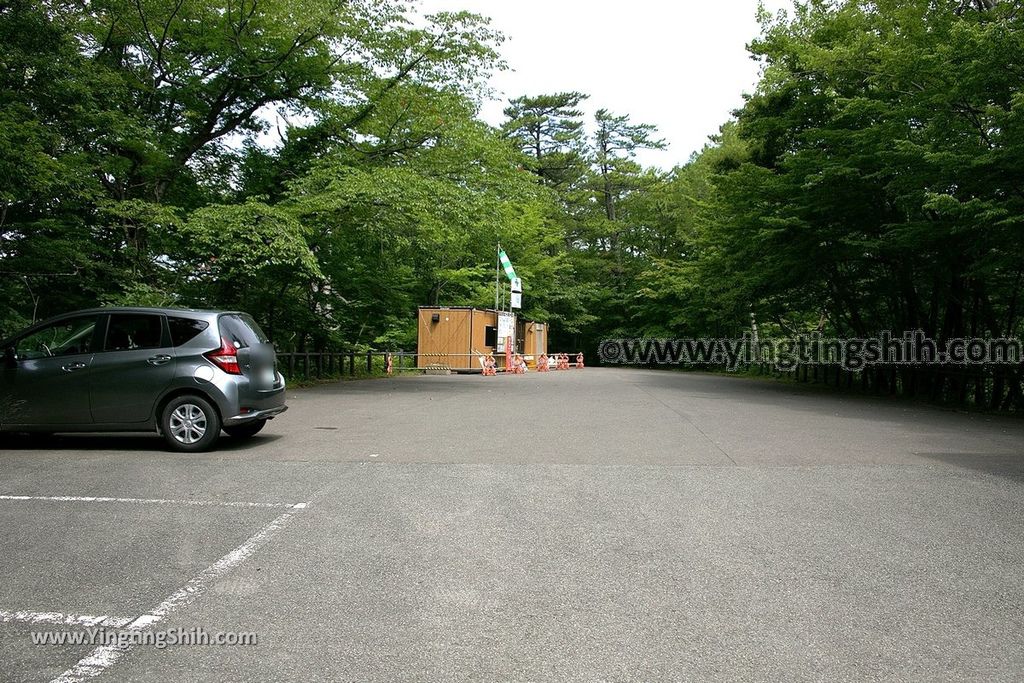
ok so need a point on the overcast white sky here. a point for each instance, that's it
(681, 65)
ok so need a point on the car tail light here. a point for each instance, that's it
(225, 358)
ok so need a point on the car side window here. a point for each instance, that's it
(130, 331)
(184, 330)
(64, 338)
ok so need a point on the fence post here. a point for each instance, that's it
(369, 362)
(352, 363)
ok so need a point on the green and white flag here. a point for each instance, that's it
(510, 272)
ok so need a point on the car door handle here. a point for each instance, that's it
(159, 359)
(71, 367)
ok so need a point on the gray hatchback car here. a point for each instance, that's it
(186, 374)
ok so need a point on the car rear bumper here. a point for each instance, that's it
(255, 404)
(265, 414)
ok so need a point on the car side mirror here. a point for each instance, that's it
(10, 357)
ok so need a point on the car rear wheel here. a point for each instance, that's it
(190, 424)
(246, 429)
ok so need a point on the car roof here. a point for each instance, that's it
(146, 309)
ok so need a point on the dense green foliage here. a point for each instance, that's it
(875, 181)
(321, 164)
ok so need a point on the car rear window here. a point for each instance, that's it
(184, 330)
(242, 330)
(129, 331)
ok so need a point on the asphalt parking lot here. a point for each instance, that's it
(601, 524)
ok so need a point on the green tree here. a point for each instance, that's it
(549, 131)
(616, 142)
(122, 117)
(881, 184)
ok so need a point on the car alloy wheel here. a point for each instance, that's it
(188, 424)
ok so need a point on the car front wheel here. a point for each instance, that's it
(190, 424)
(246, 429)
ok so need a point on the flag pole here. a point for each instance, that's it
(497, 274)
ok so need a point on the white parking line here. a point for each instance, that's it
(105, 656)
(62, 619)
(149, 501)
